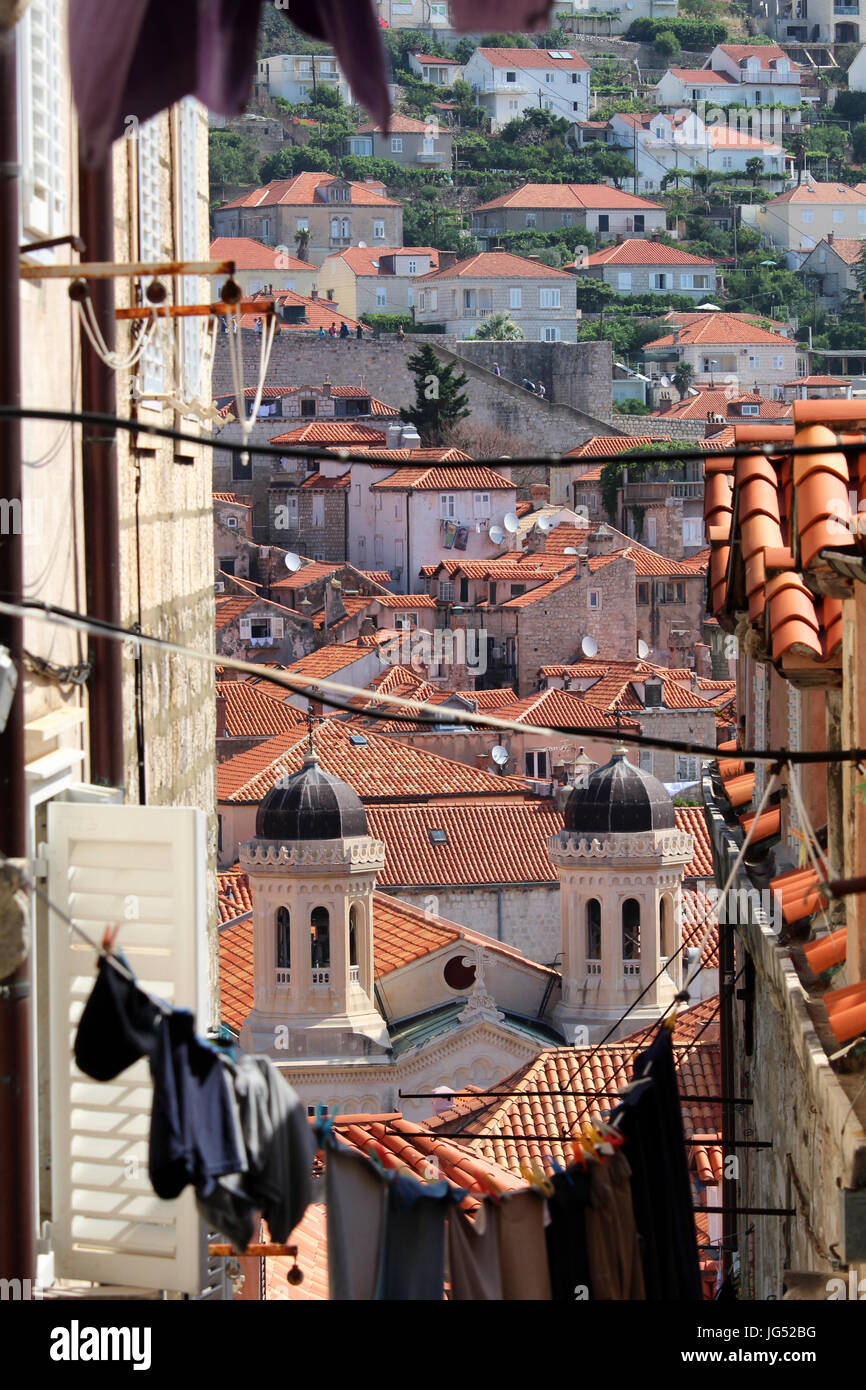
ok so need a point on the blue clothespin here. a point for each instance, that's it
(324, 1123)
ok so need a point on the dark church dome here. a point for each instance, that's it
(310, 805)
(618, 799)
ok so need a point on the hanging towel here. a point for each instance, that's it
(611, 1235)
(567, 1252)
(522, 1246)
(414, 1258)
(355, 1201)
(473, 1255)
(193, 1133)
(650, 1119)
(118, 1026)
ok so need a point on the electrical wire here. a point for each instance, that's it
(768, 449)
(330, 692)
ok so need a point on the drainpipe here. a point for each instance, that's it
(499, 914)
(408, 542)
(16, 1166)
(99, 475)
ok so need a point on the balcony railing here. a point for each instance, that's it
(631, 969)
(339, 241)
(475, 313)
(846, 9)
(354, 974)
(320, 977)
(593, 967)
(687, 490)
(432, 157)
(645, 491)
(282, 977)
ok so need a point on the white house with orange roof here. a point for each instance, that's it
(540, 300)
(544, 207)
(406, 513)
(798, 219)
(439, 72)
(726, 350)
(636, 266)
(407, 141)
(510, 81)
(294, 76)
(331, 212)
(764, 73)
(661, 141)
(686, 86)
(259, 267)
(830, 269)
(370, 280)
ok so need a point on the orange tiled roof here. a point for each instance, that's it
(644, 251)
(248, 254)
(721, 402)
(486, 842)
(569, 195)
(609, 444)
(233, 606)
(317, 570)
(233, 896)
(328, 660)
(318, 313)
(768, 520)
(308, 188)
(232, 497)
(703, 75)
(254, 709)
(497, 265)
(335, 432)
(849, 249)
(438, 479)
(554, 707)
(766, 53)
(440, 454)
(798, 896)
(718, 328)
(814, 192)
(379, 770)
(524, 58)
(367, 260)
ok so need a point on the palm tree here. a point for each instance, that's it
(500, 326)
(755, 169)
(682, 378)
(302, 243)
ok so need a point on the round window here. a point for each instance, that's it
(459, 972)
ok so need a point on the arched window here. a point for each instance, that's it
(593, 929)
(335, 227)
(353, 935)
(631, 929)
(665, 928)
(284, 940)
(320, 937)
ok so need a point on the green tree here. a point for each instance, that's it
(234, 158)
(799, 149)
(440, 400)
(682, 378)
(858, 141)
(667, 45)
(295, 159)
(673, 176)
(631, 406)
(755, 168)
(501, 327)
(302, 243)
(613, 164)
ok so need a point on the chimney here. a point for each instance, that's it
(830, 236)
(675, 334)
(221, 716)
(495, 248)
(447, 259)
(703, 664)
(314, 294)
(533, 258)
(619, 239)
(540, 493)
(326, 387)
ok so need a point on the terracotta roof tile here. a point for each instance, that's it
(328, 660)
(307, 188)
(527, 58)
(497, 265)
(256, 709)
(443, 479)
(644, 251)
(335, 432)
(609, 444)
(569, 195)
(719, 328)
(249, 254)
(811, 191)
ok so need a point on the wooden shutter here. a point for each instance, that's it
(144, 867)
(245, 627)
(277, 629)
(152, 371)
(187, 122)
(42, 107)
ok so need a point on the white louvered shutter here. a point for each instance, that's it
(144, 867)
(42, 107)
(152, 377)
(187, 121)
(277, 629)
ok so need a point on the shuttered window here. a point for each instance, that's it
(152, 376)
(144, 867)
(42, 130)
(187, 177)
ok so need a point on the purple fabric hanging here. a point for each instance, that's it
(134, 59)
(503, 16)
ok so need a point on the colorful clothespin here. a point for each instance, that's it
(324, 1123)
(488, 1187)
(108, 937)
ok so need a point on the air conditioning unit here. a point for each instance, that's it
(219, 587)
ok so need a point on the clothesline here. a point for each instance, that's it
(329, 692)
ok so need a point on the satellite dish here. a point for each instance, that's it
(643, 650)
(510, 522)
(496, 534)
(665, 380)
(293, 561)
(589, 646)
(569, 550)
(499, 755)
(543, 523)
(362, 243)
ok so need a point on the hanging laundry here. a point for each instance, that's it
(280, 1177)
(522, 1247)
(414, 1258)
(473, 1255)
(650, 1119)
(118, 1025)
(567, 1252)
(193, 1136)
(612, 1241)
(355, 1202)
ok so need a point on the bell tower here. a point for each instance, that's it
(312, 870)
(620, 861)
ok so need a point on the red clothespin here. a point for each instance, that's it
(108, 937)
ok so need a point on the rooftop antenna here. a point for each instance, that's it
(496, 534)
(510, 522)
(293, 561)
(643, 649)
(311, 722)
(589, 646)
